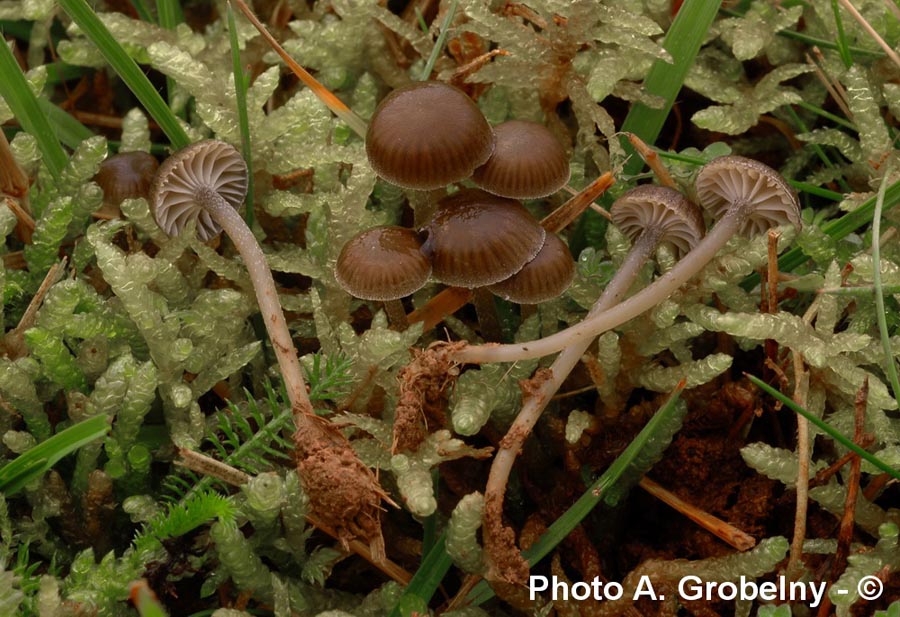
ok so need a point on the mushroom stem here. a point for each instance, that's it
(267, 297)
(396, 314)
(642, 301)
(537, 401)
(486, 311)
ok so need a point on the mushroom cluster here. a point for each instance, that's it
(427, 136)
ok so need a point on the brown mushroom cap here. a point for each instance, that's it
(528, 162)
(126, 175)
(427, 135)
(209, 164)
(735, 179)
(382, 263)
(476, 239)
(679, 221)
(543, 278)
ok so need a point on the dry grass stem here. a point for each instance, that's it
(724, 531)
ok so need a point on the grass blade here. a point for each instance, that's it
(661, 428)
(424, 582)
(890, 366)
(439, 44)
(40, 458)
(826, 428)
(843, 48)
(127, 70)
(70, 131)
(240, 89)
(682, 41)
(17, 93)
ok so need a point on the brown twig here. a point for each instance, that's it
(208, 466)
(651, 158)
(845, 535)
(724, 531)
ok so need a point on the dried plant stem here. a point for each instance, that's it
(331, 101)
(208, 466)
(845, 534)
(651, 158)
(868, 28)
(801, 389)
(728, 533)
(14, 340)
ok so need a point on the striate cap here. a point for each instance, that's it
(528, 162)
(427, 135)
(476, 239)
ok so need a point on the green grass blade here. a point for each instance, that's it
(822, 425)
(837, 229)
(890, 366)
(170, 15)
(70, 131)
(661, 427)
(240, 88)
(143, 12)
(439, 44)
(843, 48)
(425, 582)
(16, 92)
(31, 464)
(682, 41)
(127, 70)
(827, 115)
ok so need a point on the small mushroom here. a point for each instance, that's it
(384, 264)
(650, 215)
(543, 278)
(757, 197)
(477, 239)
(528, 162)
(427, 135)
(729, 183)
(205, 182)
(126, 175)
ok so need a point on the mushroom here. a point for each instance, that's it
(384, 264)
(757, 197)
(205, 182)
(528, 162)
(126, 175)
(543, 278)
(427, 135)
(476, 239)
(649, 215)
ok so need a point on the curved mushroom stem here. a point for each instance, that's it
(537, 400)
(267, 297)
(642, 301)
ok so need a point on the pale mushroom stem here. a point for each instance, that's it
(642, 301)
(267, 297)
(537, 401)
